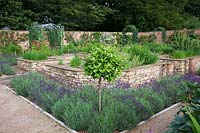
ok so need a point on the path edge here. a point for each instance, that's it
(155, 115)
(73, 131)
(41, 110)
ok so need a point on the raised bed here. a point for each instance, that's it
(134, 77)
(76, 76)
(29, 65)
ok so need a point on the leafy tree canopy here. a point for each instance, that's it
(101, 15)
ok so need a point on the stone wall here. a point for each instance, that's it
(76, 77)
(21, 37)
(180, 66)
(17, 37)
(143, 74)
(133, 77)
(197, 62)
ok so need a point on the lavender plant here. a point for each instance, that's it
(123, 107)
(6, 63)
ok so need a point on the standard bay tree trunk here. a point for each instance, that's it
(99, 91)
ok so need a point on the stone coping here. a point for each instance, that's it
(64, 67)
(54, 58)
(33, 61)
(171, 59)
(144, 67)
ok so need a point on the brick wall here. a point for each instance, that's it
(21, 37)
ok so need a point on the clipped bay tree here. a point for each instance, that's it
(103, 63)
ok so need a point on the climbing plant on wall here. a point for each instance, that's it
(133, 29)
(54, 33)
(163, 30)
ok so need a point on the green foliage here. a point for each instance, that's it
(70, 48)
(96, 37)
(36, 87)
(6, 63)
(36, 33)
(8, 59)
(13, 15)
(123, 108)
(41, 53)
(60, 62)
(119, 38)
(181, 41)
(88, 47)
(20, 87)
(101, 15)
(187, 120)
(107, 38)
(34, 55)
(178, 54)
(130, 62)
(116, 115)
(7, 69)
(144, 39)
(193, 121)
(75, 61)
(163, 30)
(76, 113)
(144, 54)
(192, 22)
(11, 49)
(103, 63)
(180, 124)
(133, 30)
(198, 71)
(169, 87)
(74, 47)
(159, 48)
(55, 35)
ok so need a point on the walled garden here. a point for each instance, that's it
(104, 82)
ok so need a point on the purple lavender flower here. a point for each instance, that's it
(122, 84)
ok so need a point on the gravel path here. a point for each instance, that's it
(159, 123)
(18, 116)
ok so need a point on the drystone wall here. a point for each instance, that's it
(132, 77)
(76, 77)
(180, 66)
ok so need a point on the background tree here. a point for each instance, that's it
(101, 15)
(13, 15)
